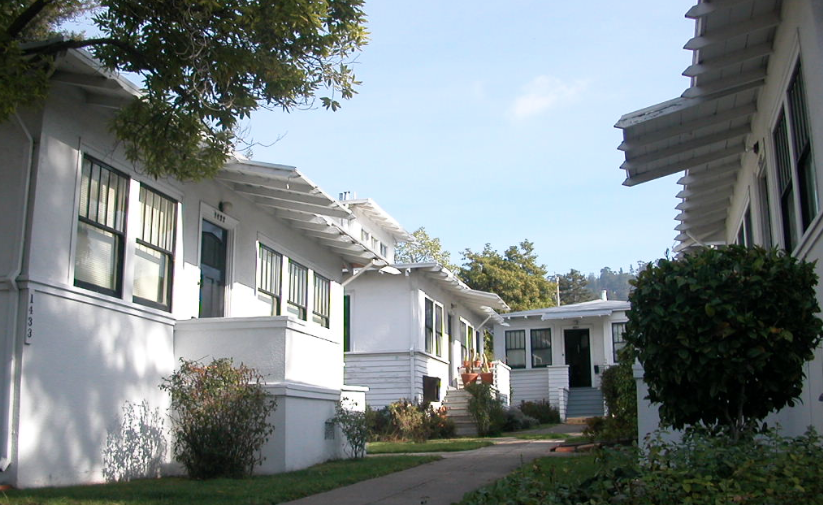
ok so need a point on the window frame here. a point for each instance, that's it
(540, 347)
(428, 324)
(291, 302)
(438, 329)
(508, 347)
(120, 235)
(321, 309)
(169, 253)
(277, 270)
(618, 341)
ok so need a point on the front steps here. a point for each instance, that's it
(584, 403)
(456, 402)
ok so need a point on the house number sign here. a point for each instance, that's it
(30, 319)
(219, 217)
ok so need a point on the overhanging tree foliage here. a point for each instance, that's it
(206, 64)
(723, 335)
(422, 249)
(515, 276)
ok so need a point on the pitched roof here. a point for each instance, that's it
(382, 218)
(595, 308)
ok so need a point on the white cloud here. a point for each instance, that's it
(542, 93)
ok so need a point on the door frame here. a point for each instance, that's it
(228, 223)
(589, 328)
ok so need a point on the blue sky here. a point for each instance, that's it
(493, 122)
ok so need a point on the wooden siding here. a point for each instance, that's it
(387, 375)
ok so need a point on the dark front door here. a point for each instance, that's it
(212, 270)
(578, 357)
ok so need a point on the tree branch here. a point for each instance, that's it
(26, 17)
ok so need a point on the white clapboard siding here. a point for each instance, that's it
(387, 375)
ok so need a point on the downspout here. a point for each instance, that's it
(11, 342)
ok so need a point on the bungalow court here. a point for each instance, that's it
(748, 133)
(108, 277)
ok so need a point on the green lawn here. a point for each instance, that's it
(253, 491)
(531, 482)
(439, 445)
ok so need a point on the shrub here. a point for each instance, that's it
(723, 334)
(439, 424)
(543, 411)
(404, 420)
(486, 409)
(137, 448)
(219, 415)
(516, 420)
(409, 420)
(355, 428)
(620, 394)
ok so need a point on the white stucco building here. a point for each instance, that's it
(748, 133)
(409, 327)
(108, 277)
(557, 354)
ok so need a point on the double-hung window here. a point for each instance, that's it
(269, 277)
(541, 340)
(516, 348)
(428, 324)
(618, 340)
(797, 186)
(101, 227)
(154, 251)
(438, 330)
(320, 312)
(298, 290)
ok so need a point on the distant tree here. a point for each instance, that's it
(515, 276)
(616, 284)
(205, 65)
(423, 249)
(573, 288)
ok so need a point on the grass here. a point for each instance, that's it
(438, 445)
(252, 491)
(534, 480)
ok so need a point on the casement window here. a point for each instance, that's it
(516, 348)
(765, 210)
(618, 342)
(797, 187)
(365, 236)
(384, 250)
(438, 330)
(101, 228)
(298, 290)
(322, 289)
(744, 233)
(541, 340)
(428, 324)
(270, 277)
(154, 251)
(464, 348)
(346, 323)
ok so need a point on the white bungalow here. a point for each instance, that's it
(557, 354)
(108, 277)
(748, 132)
(410, 326)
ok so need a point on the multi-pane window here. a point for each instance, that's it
(320, 311)
(618, 341)
(765, 212)
(428, 324)
(541, 340)
(797, 186)
(298, 290)
(438, 330)
(101, 226)
(269, 277)
(346, 323)
(154, 251)
(384, 250)
(365, 236)
(744, 233)
(464, 349)
(516, 348)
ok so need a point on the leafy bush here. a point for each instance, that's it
(404, 421)
(439, 423)
(516, 420)
(543, 411)
(712, 328)
(219, 415)
(136, 450)
(355, 428)
(620, 394)
(486, 409)
(409, 420)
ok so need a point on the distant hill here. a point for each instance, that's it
(616, 283)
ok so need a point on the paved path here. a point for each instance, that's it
(440, 483)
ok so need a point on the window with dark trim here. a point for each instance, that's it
(346, 323)
(464, 348)
(101, 228)
(618, 342)
(744, 233)
(541, 340)
(516, 348)
(765, 210)
(438, 330)
(428, 325)
(298, 290)
(270, 277)
(154, 251)
(321, 310)
(795, 170)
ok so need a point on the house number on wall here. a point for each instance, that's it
(219, 216)
(30, 319)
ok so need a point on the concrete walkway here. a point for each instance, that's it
(441, 482)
